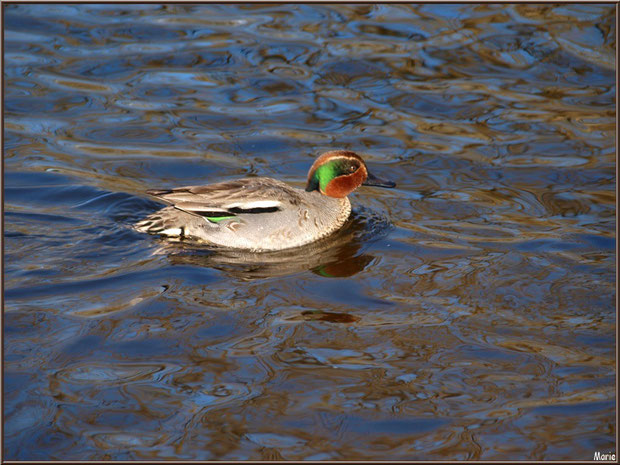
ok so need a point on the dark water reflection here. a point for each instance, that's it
(467, 314)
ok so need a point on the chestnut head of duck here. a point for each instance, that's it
(339, 172)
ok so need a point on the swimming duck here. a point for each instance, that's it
(264, 214)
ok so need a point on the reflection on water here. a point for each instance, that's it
(466, 314)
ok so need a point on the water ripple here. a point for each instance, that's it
(467, 314)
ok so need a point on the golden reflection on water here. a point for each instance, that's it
(466, 314)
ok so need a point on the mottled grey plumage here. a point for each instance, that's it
(265, 214)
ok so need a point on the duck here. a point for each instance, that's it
(261, 214)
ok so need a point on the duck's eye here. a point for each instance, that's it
(352, 168)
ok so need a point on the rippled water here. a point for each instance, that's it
(467, 314)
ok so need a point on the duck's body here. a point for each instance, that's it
(256, 214)
(263, 214)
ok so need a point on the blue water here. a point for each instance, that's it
(469, 313)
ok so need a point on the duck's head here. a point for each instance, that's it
(340, 172)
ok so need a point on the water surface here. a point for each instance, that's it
(467, 314)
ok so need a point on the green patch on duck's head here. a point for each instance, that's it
(340, 172)
(331, 170)
(336, 174)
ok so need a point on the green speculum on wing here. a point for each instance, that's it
(217, 219)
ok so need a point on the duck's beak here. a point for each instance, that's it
(372, 180)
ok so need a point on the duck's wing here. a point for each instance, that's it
(231, 198)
